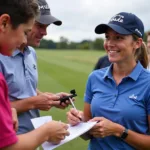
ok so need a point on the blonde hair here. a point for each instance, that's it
(141, 53)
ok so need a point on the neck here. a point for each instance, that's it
(122, 70)
(22, 47)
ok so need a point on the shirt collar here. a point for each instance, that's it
(133, 75)
(17, 51)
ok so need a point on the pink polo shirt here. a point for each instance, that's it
(7, 133)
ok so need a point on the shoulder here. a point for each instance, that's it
(144, 78)
(32, 52)
(3, 86)
(3, 58)
(1, 78)
(145, 72)
(31, 49)
(98, 73)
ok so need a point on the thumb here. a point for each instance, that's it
(98, 119)
(54, 97)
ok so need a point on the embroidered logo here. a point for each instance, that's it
(44, 7)
(117, 18)
(34, 66)
(133, 97)
(138, 31)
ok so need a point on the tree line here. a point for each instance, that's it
(64, 44)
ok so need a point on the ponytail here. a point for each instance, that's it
(141, 53)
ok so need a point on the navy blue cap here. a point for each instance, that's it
(123, 23)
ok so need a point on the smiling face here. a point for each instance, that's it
(11, 38)
(120, 48)
(37, 33)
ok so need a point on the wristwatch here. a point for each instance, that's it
(124, 134)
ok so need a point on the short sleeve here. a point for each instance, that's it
(7, 133)
(88, 92)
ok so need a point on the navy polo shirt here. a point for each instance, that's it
(127, 104)
(20, 72)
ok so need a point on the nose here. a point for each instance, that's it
(110, 43)
(43, 31)
(22, 42)
(25, 40)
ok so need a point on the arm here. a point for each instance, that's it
(87, 112)
(38, 91)
(52, 131)
(106, 127)
(42, 102)
(14, 118)
(139, 141)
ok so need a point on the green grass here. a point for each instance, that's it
(61, 71)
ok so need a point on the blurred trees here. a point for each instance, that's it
(64, 44)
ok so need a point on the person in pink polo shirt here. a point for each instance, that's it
(16, 20)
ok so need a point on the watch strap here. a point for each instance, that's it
(124, 134)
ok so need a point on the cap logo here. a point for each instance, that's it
(137, 30)
(43, 7)
(117, 18)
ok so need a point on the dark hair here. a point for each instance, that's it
(141, 53)
(148, 33)
(20, 11)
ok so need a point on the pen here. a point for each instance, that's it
(72, 103)
(74, 106)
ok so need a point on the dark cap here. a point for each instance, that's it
(123, 23)
(45, 14)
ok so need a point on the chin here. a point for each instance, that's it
(8, 53)
(35, 44)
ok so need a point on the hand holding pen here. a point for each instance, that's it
(74, 116)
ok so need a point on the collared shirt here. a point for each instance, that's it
(20, 72)
(127, 104)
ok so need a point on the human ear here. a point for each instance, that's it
(4, 22)
(138, 43)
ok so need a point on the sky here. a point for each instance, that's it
(80, 17)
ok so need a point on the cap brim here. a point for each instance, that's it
(102, 28)
(48, 19)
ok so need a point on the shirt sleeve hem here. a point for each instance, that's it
(7, 141)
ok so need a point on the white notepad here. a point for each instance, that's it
(75, 131)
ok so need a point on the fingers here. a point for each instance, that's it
(58, 131)
(62, 94)
(98, 119)
(73, 116)
(57, 104)
(44, 107)
(14, 118)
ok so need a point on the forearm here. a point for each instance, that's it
(38, 91)
(139, 141)
(24, 104)
(31, 140)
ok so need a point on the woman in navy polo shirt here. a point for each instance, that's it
(118, 97)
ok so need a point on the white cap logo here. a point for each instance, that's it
(43, 7)
(137, 30)
(117, 18)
